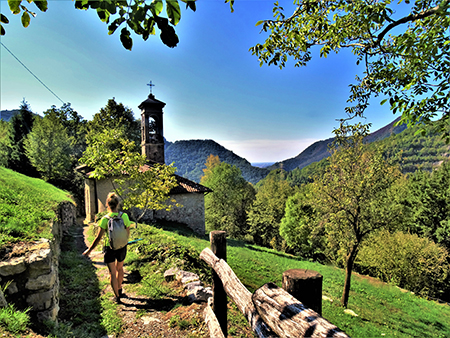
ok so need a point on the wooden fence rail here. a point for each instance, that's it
(270, 311)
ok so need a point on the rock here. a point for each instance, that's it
(350, 312)
(40, 261)
(186, 277)
(42, 282)
(12, 288)
(51, 314)
(41, 300)
(149, 319)
(12, 267)
(200, 294)
(171, 274)
(3, 302)
(193, 285)
(327, 298)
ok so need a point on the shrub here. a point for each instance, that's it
(406, 260)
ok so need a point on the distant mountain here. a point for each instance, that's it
(319, 150)
(6, 115)
(262, 164)
(189, 158)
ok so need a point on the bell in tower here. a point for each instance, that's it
(152, 138)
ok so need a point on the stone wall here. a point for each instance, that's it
(191, 213)
(32, 269)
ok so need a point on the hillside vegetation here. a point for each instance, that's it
(190, 157)
(382, 309)
(26, 207)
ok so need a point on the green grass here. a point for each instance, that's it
(26, 207)
(13, 320)
(383, 310)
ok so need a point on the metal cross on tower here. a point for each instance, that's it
(150, 85)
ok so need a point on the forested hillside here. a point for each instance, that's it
(190, 156)
(319, 150)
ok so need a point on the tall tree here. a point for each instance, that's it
(21, 125)
(49, 149)
(5, 143)
(113, 155)
(211, 162)
(352, 199)
(116, 116)
(403, 46)
(226, 207)
(266, 212)
(428, 201)
(74, 124)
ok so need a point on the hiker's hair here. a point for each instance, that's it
(112, 200)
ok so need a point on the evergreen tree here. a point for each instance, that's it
(21, 125)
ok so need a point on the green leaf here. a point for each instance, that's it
(41, 4)
(82, 4)
(25, 19)
(173, 11)
(3, 19)
(126, 39)
(156, 7)
(383, 102)
(114, 25)
(259, 22)
(2, 30)
(103, 15)
(14, 6)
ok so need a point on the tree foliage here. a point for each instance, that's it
(404, 49)
(266, 212)
(49, 149)
(406, 260)
(141, 17)
(116, 116)
(74, 124)
(351, 200)
(113, 155)
(226, 207)
(21, 125)
(5, 142)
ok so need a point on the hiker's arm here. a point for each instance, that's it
(96, 241)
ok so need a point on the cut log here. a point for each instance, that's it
(238, 293)
(211, 321)
(288, 317)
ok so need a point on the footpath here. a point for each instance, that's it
(141, 316)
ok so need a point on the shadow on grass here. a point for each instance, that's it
(80, 312)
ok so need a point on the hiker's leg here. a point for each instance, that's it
(119, 268)
(113, 278)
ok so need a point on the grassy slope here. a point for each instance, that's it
(26, 206)
(383, 310)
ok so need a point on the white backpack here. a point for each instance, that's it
(118, 235)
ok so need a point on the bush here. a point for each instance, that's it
(406, 260)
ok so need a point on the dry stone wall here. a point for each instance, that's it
(31, 270)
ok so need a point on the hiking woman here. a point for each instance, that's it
(113, 258)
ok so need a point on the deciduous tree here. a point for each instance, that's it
(403, 46)
(226, 207)
(49, 149)
(139, 16)
(147, 187)
(266, 212)
(352, 199)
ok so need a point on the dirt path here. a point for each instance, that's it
(144, 317)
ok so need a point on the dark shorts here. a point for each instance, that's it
(114, 255)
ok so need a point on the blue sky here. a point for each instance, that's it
(212, 86)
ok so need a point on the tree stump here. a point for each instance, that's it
(306, 286)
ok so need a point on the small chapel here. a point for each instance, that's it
(190, 195)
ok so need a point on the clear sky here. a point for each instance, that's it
(212, 86)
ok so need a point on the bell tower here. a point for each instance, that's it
(152, 138)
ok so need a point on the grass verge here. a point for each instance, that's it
(26, 207)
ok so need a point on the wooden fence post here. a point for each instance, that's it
(306, 286)
(218, 240)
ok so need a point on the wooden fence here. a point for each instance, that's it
(271, 311)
